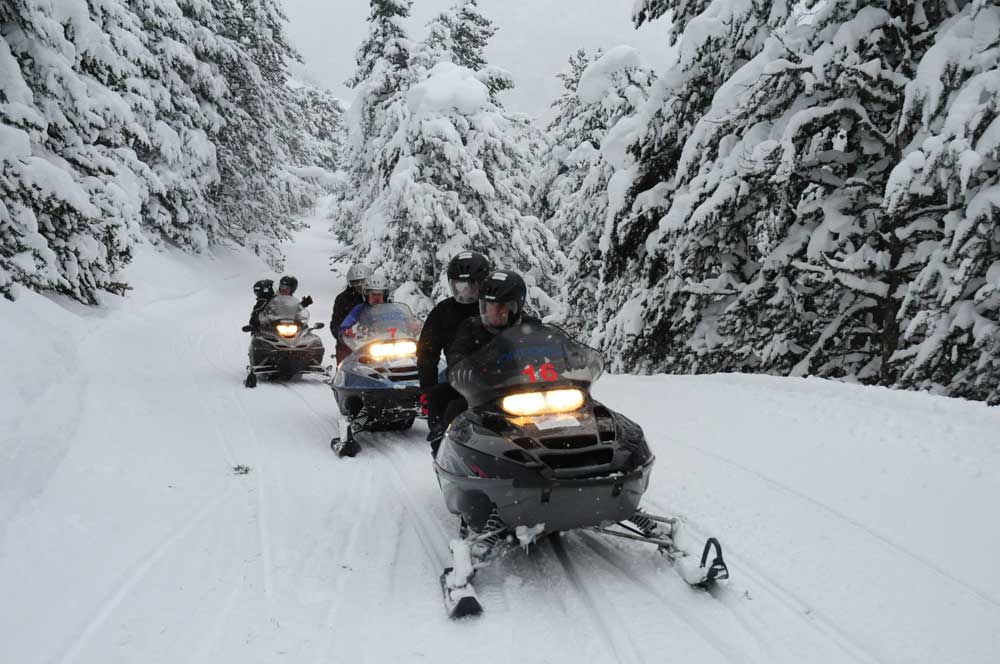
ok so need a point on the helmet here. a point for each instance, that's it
(264, 289)
(289, 282)
(465, 272)
(377, 282)
(358, 272)
(469, 266)
(502, 287)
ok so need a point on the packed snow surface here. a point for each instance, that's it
(859, 524)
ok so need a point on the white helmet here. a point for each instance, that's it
(358, 271)
(377, 282)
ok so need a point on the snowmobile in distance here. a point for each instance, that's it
(535, 454)
(377, 386)
(284, 345)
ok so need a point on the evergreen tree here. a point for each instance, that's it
(721, 37)
(70, 207)
(256, 198)
(600, 92)
(382, 75)
(459, 181)
(950, 184)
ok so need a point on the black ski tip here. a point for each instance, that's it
(467, 606)
(464, 606)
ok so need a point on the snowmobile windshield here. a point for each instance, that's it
(284, 307)
(384, 322)
(525, 358)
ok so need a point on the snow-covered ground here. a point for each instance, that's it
(859, 524)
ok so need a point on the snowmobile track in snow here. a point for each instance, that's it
(846, 519)
(624, 649)
(106, 608)
(807, 615)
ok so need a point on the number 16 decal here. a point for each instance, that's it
(547, 372)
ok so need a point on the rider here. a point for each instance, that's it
(264, 290)
(349, 298)
(466, 272)
(501, 305)
(376, 291)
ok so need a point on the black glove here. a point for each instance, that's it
(306, 301)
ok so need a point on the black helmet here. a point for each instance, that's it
(465, 272)
(289, 282)
(469, 266)
(264, 289)
(504, 287)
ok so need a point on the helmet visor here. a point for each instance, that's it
(498, 314)
(465, 292)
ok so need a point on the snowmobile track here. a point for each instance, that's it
(106, 608)
(624, 649)
(603, 550)
(816, 620)
(846, 519)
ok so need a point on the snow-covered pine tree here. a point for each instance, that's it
(381, 77)
(318, 118)
(256, 198)
(796, 181)
(952, 177)
(70, 205)
(459, 34)
(600, 92)
(177, 99)
(557, 180)
(720, 36)
(460, 181)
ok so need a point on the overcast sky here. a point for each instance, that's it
(534, 41)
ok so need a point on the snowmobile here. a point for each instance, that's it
(284, 345)
(377, 385)
(535, 454)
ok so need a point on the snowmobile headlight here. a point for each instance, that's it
(538, 403)
(287, 330)
(382, 351)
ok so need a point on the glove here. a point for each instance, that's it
(306, 301)
(349, 332)
(423, 404)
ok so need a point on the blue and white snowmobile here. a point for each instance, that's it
(284, 345)
(377, 385)
(535, 455)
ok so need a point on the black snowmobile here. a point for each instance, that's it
(284, 345)
(377, 385)
(535, 454)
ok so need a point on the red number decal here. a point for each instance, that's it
(392, 331)
(549, 373)
(529, 371)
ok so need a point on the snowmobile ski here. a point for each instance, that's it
(460, 602)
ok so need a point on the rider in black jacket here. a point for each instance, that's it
(466, 272)
(349, 298)
(501, 305)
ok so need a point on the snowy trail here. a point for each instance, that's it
(125, 535)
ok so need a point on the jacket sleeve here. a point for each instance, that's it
(351, 318)
(429, 351)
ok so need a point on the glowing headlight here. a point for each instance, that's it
(391, 349)
(287, 330)
(537, 403)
